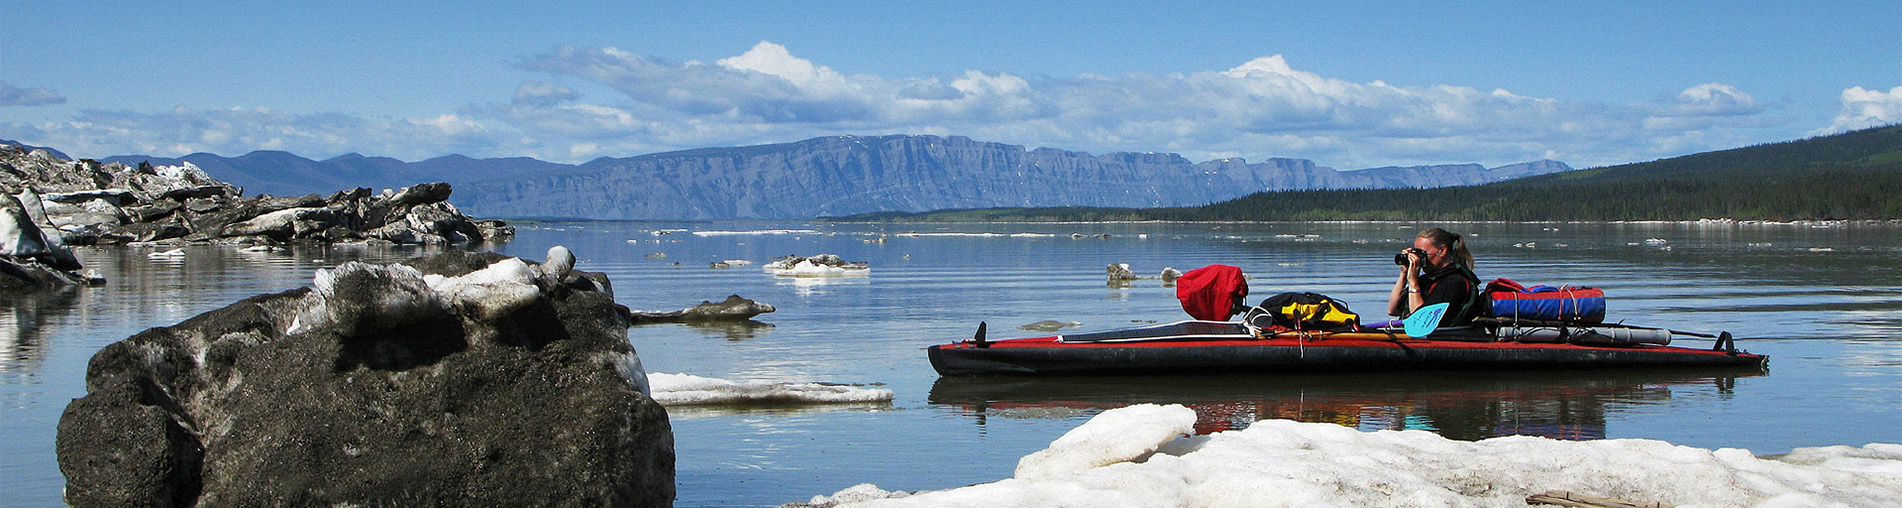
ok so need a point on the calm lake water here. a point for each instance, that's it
(1824, 302)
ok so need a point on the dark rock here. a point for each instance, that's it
(31, 276)
(421, 194)
(117, 197)
(164, 208)
(733, 308)
(381, 385)
(149, 232)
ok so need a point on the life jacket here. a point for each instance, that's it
(1308, 311)
(1213, 292)
(1464, 311)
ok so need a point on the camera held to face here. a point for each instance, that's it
(1401, 258)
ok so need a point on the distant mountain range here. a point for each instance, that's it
(830, 176)
(1849, 176)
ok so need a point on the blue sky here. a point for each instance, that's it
(1348, 84)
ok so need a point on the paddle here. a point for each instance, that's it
(1422, 322)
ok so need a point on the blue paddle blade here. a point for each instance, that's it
(1422, 322)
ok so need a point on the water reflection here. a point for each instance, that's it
(25, 322)
(809, 286)
(732, 330)
(1471, 406)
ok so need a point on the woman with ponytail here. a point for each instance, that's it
(1438, 269)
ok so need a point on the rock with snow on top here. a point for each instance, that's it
(454, 379)
(808, 268)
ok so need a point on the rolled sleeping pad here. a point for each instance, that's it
(1588, 336)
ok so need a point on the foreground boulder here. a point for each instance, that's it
(89, 203)
(465, 379)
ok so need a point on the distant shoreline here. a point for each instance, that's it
(1712, 222)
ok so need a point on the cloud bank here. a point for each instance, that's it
(1863, 109)
(1265, 107)
(36, 96)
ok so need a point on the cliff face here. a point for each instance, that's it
(850, 174)
(838, 175)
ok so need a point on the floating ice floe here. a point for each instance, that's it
(978, 234)
(1132, 458)
(806, 268)
(689, 390)
(823, 265)
(755, 232)
(167, 254)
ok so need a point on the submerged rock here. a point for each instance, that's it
(1049, 325)
(456, 379)
(734, 308)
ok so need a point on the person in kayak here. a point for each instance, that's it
(1437, 269)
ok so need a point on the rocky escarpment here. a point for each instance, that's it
(458, 379)
(89, 202)
(846, 175)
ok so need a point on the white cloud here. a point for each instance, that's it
(1863, 108)
(1261, 108)
(36, 96)
(236, 131)
(1265, 107)
(1712, 99)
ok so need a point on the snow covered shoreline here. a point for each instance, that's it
(1138, 456)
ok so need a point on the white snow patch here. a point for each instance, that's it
(1287, 463)
(1118, 435)
(689, 390)
(498, 289)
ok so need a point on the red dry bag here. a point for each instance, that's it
(1213, 292)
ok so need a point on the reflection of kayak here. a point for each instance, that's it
(1566, 404)
(1217, 346)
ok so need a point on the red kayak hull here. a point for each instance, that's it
(1313, 353)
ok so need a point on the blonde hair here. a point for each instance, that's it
(1454, 245)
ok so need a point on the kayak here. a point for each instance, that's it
(1199, 347)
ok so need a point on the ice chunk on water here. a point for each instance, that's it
(688, 390)
(1118, 435)
(806, 268)
(1287, 463)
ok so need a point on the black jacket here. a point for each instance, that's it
(1457, 287)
